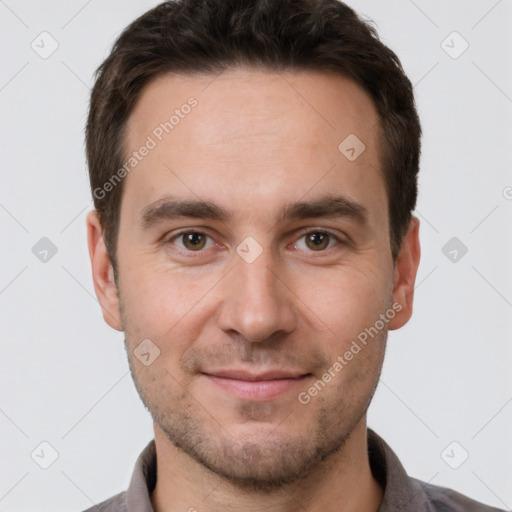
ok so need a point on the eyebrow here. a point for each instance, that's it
(169, 208)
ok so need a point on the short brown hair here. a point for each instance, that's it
(212, 36)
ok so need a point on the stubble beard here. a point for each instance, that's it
(260, 464)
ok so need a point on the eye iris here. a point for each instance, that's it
(318, 240)
(193, 241)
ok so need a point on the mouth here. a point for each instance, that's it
(260, 386)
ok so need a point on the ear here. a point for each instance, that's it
(406, 266)
(103, 278)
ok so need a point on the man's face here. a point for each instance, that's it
(246, 326)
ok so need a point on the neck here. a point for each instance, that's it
(343, 482)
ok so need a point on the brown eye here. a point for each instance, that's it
(193, 241)
(317, 241)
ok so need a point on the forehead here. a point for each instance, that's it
(250, 135)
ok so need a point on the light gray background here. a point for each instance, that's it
(64, 374)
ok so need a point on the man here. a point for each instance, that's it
(253, 165)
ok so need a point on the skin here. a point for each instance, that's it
(256, 141)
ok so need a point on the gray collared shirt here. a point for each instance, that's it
(401, 492)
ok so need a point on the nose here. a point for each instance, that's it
(256, 303)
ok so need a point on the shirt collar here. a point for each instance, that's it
(400, 491)
(143, 481)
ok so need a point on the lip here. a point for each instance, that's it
(261, 386)
(253, 377)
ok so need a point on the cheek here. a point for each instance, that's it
(162, 303)
(347, 299)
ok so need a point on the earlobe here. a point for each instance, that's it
(102, 273)
(406, 267)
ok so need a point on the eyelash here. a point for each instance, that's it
(199, 252)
